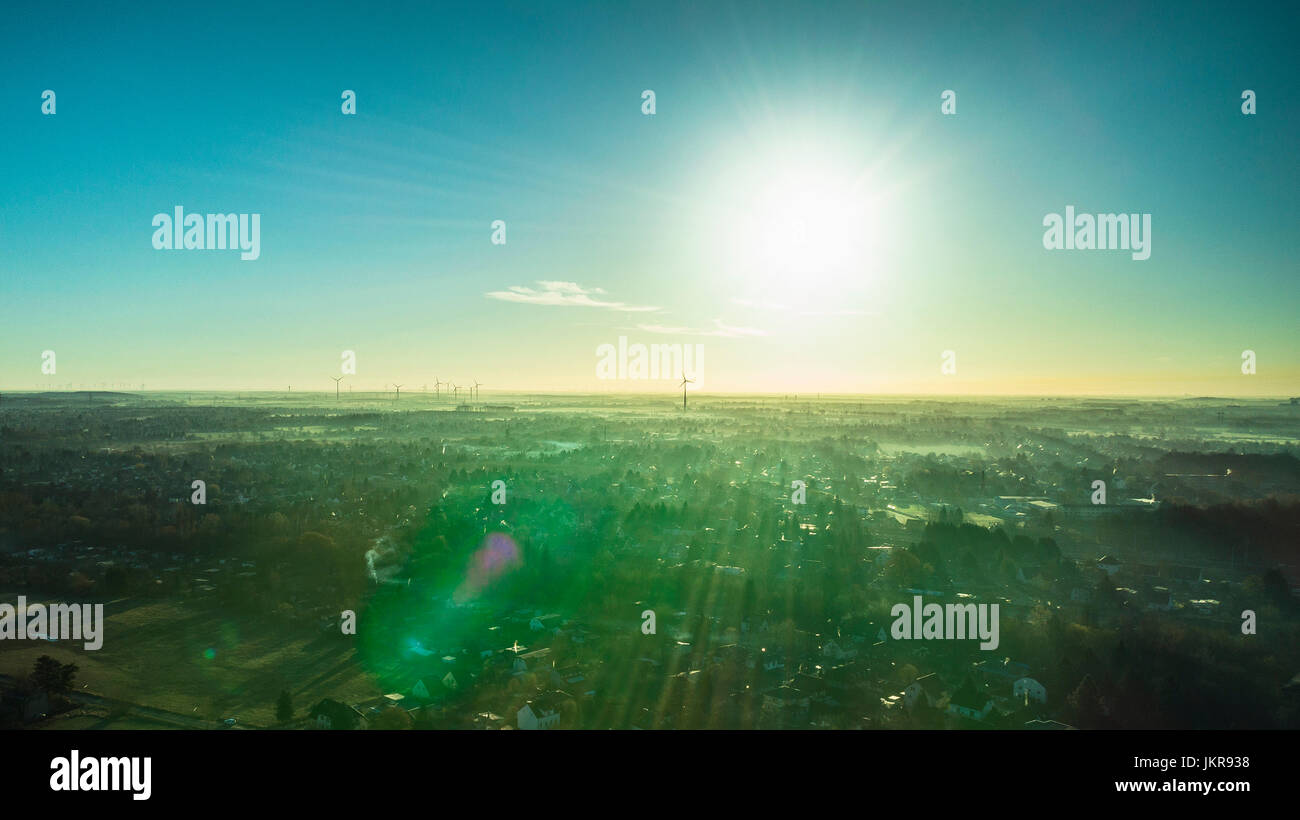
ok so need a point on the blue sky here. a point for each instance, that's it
(375, 227)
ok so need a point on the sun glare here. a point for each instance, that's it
(807, 223)
(796, 223)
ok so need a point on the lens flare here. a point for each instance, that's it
(498, 556)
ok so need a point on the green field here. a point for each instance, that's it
(196, 661)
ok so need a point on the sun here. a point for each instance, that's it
(799, 221)
(806, 223)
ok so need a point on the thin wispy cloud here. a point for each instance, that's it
(720, 330)
(777, 306)
(838, 313)
(551, 293)
(750, 303)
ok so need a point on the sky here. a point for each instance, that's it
(798, 204)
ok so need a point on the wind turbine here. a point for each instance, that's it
(685, 381)
(399, 392)
(476, 391)
(336, 379)
(437, 386)
(455, 391)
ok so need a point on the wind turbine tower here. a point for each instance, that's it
(685, 381)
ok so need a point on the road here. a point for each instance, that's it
(161, 715)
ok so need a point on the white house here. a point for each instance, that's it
(1028, 690)
(541, 713)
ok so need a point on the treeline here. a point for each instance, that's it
(1262, 532)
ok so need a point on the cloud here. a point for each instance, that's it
(749, 303)
(720, 330)
(553, 293)
(838, 313)
(777, 306)
(666, 330)
(732, 331)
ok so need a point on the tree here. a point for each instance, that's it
(1275, 585)
(284, 707)
(903, 568)
(1088, 704)
(53, 677)
(393, 717)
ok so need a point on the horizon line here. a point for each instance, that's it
(735, 393)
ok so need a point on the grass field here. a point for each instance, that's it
(196, 660)
(80, 719)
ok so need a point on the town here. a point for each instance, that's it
(500, 559)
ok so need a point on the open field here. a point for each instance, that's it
(193, 660)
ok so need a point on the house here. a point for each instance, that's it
(1158, 599)
(1001, 672)
(811, 686)
(1046, 724)
(835, 652)
(544, 623)
(1028, 690)
(330, 714)
(786, 705)
(1033, 575)
(732, 654)
(927, 689)
(969, 702)
(843, 678)
(860, 631)
(488, 720)
(429, 688)
(524, 661)
(571, 676)
(542, 712)
(423, 690)
(772, 662)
